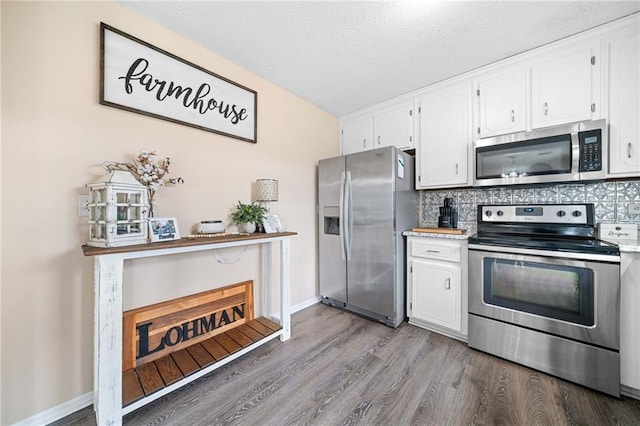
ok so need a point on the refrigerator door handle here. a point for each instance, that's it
(349, 219)
(342, 218)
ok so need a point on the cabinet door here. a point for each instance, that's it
(357, 134)
(562, 88)
(436, 293)
(502, 103)
(394, 126)
(624, 104)
(445, 136)
(629, 320)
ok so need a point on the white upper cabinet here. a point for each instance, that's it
(444, 137)
(501, 103)
(388, 124)
(624, 103)
(357, 134)
(565, 86)
(393, 125)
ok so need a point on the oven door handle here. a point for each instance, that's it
(548, 253)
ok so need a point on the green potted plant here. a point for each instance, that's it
(248, 216)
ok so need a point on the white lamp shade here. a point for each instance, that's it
(266, 190)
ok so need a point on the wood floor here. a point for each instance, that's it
(342, 369)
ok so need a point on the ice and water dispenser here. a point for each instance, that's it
(332, 220)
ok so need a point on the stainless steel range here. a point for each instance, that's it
(545, 292)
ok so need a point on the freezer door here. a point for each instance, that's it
(371, 231)
(332, 268)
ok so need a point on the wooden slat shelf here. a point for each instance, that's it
(146, 379)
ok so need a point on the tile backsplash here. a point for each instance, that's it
(611, 200)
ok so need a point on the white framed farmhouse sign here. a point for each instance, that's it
(138, 77)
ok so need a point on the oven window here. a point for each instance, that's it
(553, 291)
(545, 156)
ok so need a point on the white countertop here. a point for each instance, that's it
(434, 235)
(630, 246)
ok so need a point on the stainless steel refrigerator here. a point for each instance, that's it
(365, 201)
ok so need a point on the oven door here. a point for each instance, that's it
(572, 298)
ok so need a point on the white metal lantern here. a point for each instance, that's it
(118, 209)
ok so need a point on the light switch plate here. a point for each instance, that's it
(634, 208)
(83, 208)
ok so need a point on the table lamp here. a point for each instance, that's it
(266, 191)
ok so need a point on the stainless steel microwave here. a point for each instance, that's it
(574, 152)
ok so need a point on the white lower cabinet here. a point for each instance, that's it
(629, 324)
(437, 285)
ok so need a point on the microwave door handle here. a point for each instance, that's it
(575, 154)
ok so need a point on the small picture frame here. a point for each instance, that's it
(272, 223)
(163, 229)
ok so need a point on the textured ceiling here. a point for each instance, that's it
(346, 55)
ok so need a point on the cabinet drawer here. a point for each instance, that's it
(439, 251)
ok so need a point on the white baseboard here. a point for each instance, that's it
(305, 304)
(630, 392)
(77, 404)
(58, 412)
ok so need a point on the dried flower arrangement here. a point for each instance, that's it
(149, 173)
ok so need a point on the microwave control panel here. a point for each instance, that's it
(590, 150)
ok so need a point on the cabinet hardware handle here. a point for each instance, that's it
(513, 116)
(410, 138)
(456, 168)
(378, 140)
(629, 150)
(546, 109)
(364, 143)
(448, 284)
(433, 251)
(410, 113)
(593, 107)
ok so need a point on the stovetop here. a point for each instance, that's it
(555, 227)
(561, 244)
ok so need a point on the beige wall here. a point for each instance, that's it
(55, 135)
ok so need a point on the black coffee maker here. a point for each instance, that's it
(448, 215)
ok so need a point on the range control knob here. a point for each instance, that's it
(488, 213)
(576, 213)
(561, 213)
(500, 212)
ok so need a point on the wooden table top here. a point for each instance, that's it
(183, 242)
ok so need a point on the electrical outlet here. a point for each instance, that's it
(634, 208)
(83, 207)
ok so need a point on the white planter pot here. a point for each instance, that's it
(248, 227)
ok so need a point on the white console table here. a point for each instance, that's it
(108, 281)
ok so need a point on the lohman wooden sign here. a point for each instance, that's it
(157, 330)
